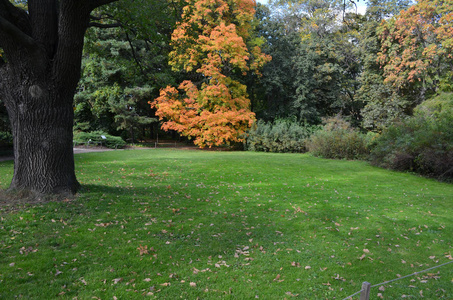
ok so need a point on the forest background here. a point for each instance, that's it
(341, 84)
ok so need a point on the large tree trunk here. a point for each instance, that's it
(43, 49)
(42, 130)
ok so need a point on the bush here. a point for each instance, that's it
(6, 138)
(338, 140)
(279, 136)
(422, 143)
(95, 137)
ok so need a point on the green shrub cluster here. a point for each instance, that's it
(422, 143)
(95, 137)
(279, 136)
(338, 140)
(6, 138)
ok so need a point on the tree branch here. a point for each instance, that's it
(100, 25)
(43, 15)
(15, 15)
(96, 3)
(134, 54)
(9, 31)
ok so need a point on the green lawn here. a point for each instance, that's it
(191, 224)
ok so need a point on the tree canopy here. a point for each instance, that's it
(210, 44)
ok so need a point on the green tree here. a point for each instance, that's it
(327, 65)
(383, 103)
(276, 88)
(126, 111)
(127, 52)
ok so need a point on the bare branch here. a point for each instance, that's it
(102, 17)
(100, 25)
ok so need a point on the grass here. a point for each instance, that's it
(191, 224)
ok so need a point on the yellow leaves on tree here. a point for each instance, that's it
(417, 45)
(211, 41)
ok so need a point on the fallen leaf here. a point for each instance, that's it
(147, 279)
(307, 267)
(193, 284)
(366, 250)
(382, 288)
(143, 250)
(380, 296)
(165, 284)
(116, 280)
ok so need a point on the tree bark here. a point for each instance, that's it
(43, 153)
(38, 78)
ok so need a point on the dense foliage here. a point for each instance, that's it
(125, 64)
(98, 138)
(210, 40)
(337, 139)
(282, 135)
(422, 143)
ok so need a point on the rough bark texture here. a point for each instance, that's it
(39, 72)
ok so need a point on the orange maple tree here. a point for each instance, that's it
(417, 45)
(211, 41)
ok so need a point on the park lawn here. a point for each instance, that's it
(194, 224)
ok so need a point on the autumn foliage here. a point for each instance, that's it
(210, 42)
(417, 46)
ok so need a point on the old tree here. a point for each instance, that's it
(40, 58)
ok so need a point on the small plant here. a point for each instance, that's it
(99, 138)
(339, 140)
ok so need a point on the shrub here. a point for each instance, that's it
(422, 143)
(6, 138)
(95, 137)
(338, 140)
(279, 136)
